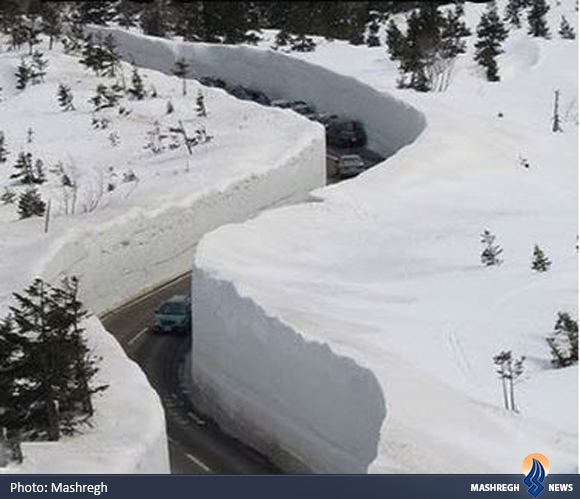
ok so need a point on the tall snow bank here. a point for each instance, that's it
(389, 122)
(282, 403)
(122, 418)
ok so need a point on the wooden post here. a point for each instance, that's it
(556, 127)
(47, 217)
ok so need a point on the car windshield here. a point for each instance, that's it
(172, 308)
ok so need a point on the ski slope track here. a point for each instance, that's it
(356, 334)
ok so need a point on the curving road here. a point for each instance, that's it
(196, 444)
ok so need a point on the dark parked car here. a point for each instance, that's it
(346, 133)
(212, 81)
(350, 165)
(173, 316)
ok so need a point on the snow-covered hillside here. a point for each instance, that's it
(137, 215)
(360, 336)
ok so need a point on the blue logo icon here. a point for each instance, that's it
(535, 478)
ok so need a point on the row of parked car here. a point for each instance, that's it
(341, 132)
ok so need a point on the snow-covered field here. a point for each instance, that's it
(357, 333)
(126, 236)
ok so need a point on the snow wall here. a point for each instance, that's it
(390, 123)
(244, 362)
(307, 408)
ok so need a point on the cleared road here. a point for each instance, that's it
(196, 444)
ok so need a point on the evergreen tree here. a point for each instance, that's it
(200, 105)
(491, 252)
(513, 11)
(31, 204)
(540, 261)
(65, 98)
(32, 30)
(181, 70)
(566, 30)
(563, 341)
(50, 368)
(22, 75)
(490, 36)
(38, 67)
(105, 97)
(137, 89)
(127, 13)
(24, 169)
(452, 33)
(169, 107)
(395, 41)
(51, 22)
(372, 38)
(537, 25)
(509, 369)
(3, 150)
(8, 196)
(96, 12)
(109, 56)
(154, 19)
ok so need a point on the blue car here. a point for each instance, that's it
(174, 316)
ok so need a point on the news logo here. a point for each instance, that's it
(535, 467)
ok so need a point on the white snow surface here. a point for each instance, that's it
(142, 233)
(357, 333)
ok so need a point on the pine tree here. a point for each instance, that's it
(372, 38)
(537, 25)
(31, 204)
(137, 89)
(566, 30)
(50, 368)
(22, 75)
(169, 107)
(51, 22)
(563, 341)
(32, 30)
(109, 56)
(491, 252)
(452, 33)
(513, 11)
(181, 70)
(395, 41)
(38, 67)
(3, 150)
(8, 196)
(508, 370)
(200, 105)
(105, 97)
(540, 261)
(96, 12)
(490, 35)
(65, 98)
(24, 170)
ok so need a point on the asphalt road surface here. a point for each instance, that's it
(196, 444)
